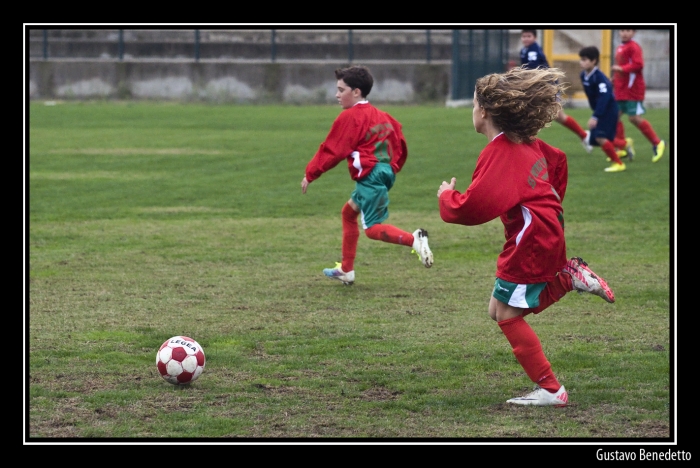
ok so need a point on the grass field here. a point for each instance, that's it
(149, 220)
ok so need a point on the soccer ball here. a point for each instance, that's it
(180, 360)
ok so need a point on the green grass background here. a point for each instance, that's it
(149, 220)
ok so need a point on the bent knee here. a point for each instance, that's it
(374, 232)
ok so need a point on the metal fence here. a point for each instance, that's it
(351, 45)
(475, 53)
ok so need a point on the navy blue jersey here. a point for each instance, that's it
(601, 99)
(533, 57)
(599, 92)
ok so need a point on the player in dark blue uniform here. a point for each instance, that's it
(532, 56)
(601, 99)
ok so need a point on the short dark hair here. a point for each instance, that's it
(590, 52)
(356, 76)
(533, 31)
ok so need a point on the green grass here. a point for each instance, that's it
(149, 220)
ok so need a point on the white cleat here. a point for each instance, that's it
(337, 273)
(541, 397)
(584, 141)
(421, 248)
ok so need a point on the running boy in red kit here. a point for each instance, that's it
(629, 88)
(372, 143)
(523, 180)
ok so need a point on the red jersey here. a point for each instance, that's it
(523, 184)
(628, 85)
(364, 135)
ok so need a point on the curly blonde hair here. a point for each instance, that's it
(521, 101)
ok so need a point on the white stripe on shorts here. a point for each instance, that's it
(517, 299)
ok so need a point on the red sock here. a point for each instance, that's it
(620, 131)
(528, 351)
(620, 144)
(572, 125)
(609, 149)
(351, 232)
(389, 233)
(645, 128)
(555, 290)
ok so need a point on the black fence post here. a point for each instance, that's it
(427, 45)
(503, 51)
(196, 45)
(121, 44)
(46, 45)
(456, 53)
(273, 46)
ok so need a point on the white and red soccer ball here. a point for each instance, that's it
(180, 360)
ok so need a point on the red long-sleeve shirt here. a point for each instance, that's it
(523, 184)
(364, 135)
(629, 85)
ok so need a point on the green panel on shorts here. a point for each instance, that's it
(371, 194)
(632, 107)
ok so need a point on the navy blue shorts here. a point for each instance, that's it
(606, 128)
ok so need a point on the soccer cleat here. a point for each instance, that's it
(337, 273)
(615, 167)
(584, 280)
(627, 151)
(630, 148)
(584, 142)
(421, 248)
(659, 151)
(541, 397)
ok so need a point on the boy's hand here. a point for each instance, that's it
(304, 184)
(445, 186)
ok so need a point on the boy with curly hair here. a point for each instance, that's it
(522, 180)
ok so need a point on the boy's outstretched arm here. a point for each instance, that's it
(304, 184)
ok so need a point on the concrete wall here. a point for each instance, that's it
(286, 80)
(295, 83)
